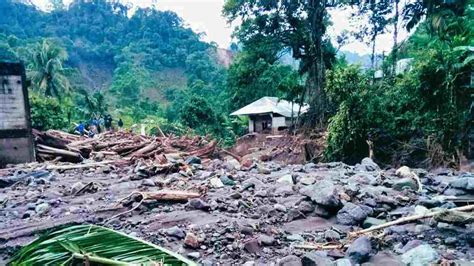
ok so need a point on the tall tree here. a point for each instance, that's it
(395, 22)
(377, 13)
(298, 25)
(46, 69)
(253, 75)
(436, 12)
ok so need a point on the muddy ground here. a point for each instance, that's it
(257, 214)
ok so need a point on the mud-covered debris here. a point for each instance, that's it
(256, 220)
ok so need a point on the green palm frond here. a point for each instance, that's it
(98, 245)
(46, 69)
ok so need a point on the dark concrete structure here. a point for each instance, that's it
(16, 142)
(470, 154)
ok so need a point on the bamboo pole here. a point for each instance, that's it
(411, 218)
(344, 242)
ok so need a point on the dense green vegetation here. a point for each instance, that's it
(95, 57)
(418, 117)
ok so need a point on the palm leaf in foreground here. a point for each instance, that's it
(96, 244)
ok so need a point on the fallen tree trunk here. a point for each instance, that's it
(235, 156)
(169, 195)
(206, 151)
(150, 147)
(68, 155)
(173, 195)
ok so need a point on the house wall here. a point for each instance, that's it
(279, 121)
(257, 122)
(16, 143)
(273, 121)
(470, 151)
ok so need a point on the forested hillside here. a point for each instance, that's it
(96, 57)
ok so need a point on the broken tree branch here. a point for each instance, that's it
(409, 219)
(352, 235)
(235, 156)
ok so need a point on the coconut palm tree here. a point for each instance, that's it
(46, 69)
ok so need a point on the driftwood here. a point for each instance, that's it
(79, 166)
(206, 151)
(150, 147)
(151, 151)
(71, 155)
(320, 246)
(167, 195)
(412, 218)
(235, 156)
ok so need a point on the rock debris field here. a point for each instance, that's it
(252, 214)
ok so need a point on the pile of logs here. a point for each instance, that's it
(54, 145)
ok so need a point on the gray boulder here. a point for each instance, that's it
(352, 214)
(420, 255)
(465, 183)
(286, 179)
(323, 193)
(405, 183)
(266, 240)
(360, 250)
(232, 164)
(316, 258)
(370, 221)
(199, 204)
(290, 260)
(175, 232)
(42, 208)
(343, 262)
(331, 235)
(368, 165)
(252, 183)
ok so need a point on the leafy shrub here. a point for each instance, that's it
(402, 116)
(47, 112)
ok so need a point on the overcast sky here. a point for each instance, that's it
(205, 16)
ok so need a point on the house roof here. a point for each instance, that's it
(271, 105)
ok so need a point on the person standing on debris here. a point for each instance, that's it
(80, 128)
(100, 121)
(108, 122)
(120, 123)
(92, 132)
(95, 123)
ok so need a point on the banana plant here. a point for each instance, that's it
(94, 245)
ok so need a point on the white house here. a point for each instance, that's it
(270, 114)
(403, 65)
